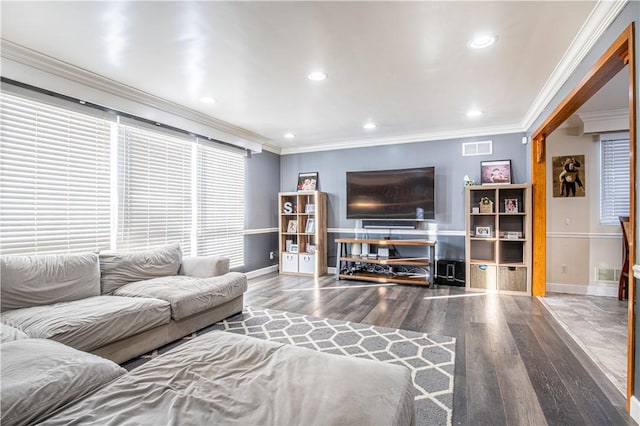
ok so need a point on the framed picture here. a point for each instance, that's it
(292, 227)
(511, 205)
(495, 172)
(483, 231)
(311, 226)
(310, 208)
(568, 172)
(293, 248)
(307, 181)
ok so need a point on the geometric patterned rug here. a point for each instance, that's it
(430, 358)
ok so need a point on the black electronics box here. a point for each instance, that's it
(450, 272)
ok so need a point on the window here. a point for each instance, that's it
(54, 179)
(220, 179)
(72, 182)
(614, 178)
(154, 190)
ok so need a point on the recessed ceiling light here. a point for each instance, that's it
(207, 100)
(317, 76)
(289, 135)
(482, 41)
(474, 112)
(369, 125)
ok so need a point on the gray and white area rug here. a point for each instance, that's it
(430, 357)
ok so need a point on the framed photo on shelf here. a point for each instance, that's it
(483, 231)
(292, 227)
(310, 208)
(307, 181)
(293, 248)
(511, 205)
(311, 226)
(495, 172)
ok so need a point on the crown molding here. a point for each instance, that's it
(602, 15)
(616, 120)
(225, 132)
(412, 138)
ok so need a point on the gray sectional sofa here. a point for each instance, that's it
(63, 315)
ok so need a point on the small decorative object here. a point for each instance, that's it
(486, 205)
(495, 172)
(292, 226)
(475, 210)
(293, 248)
(288, 245)
(512, 235)
(383, 252)
(311, 248)
(511, 205)
(468, 182)
(307, 181)
(310, 208)
(483, 231)
(287, 207)
(566, 175)
(311, 226)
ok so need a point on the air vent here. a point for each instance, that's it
(477, 148)
(607, 275)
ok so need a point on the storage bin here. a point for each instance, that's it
(482, 276)
(512, 278)
(289, 262)
(307, 263)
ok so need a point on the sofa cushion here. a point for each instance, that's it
(204, 266)
(9, 334)
(41, 280)
(117, 270)
(90, 323)
(40, 376)
(189, 295)
(222, 378)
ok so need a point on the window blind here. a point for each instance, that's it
(54, 179)
(220, 192)
(154, 190)
(614, 180)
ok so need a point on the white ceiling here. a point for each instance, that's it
(404, 65)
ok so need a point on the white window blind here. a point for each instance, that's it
(154, 190)
(54, 179)
(614, 180)
(220, 192)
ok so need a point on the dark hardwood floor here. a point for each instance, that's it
(514, 363)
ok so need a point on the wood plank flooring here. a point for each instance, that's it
(514, 364)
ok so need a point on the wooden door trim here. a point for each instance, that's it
(620, 53)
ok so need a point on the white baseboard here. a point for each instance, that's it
(331, 270)
(591, 290)
(262, 271)
(635, 409)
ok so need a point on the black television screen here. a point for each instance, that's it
(391, 194)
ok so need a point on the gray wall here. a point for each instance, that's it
(445, 155)
(262, 184)
(630, 13)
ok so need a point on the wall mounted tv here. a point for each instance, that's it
(407, 194)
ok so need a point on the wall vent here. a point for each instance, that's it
(477, 148)
(607, 275)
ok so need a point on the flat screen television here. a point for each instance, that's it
(403, 194)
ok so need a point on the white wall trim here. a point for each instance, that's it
(634, 411)
(605, 121)
(591, 290)
(377, 231)
(263, 271)
(586, 235)
(259, 231)
(602, 15)
(34, 68)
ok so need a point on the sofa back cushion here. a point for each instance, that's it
(27, 281)
(117, 270)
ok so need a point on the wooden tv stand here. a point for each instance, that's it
(395, 269)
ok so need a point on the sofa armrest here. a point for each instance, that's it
(204, 266)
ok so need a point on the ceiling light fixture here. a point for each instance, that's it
(289, 135)
(317, 76)
(482, 41)
(207, 100)
(369, 125)
(474, 112)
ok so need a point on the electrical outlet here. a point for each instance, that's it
(272, 255)
(563, 269)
